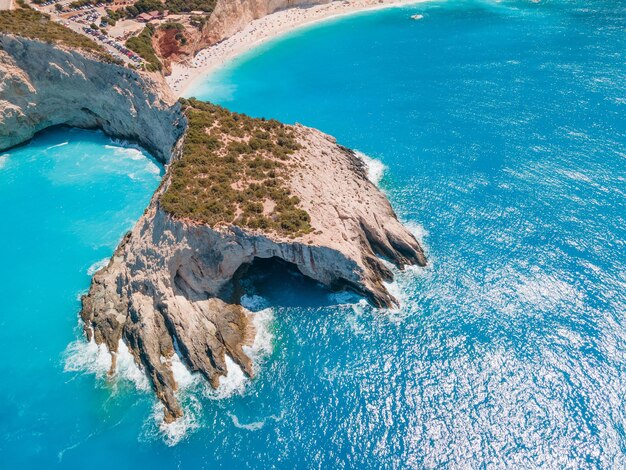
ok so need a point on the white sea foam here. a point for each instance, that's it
(89, 357)
(127, 368)
(133, 152)
(234, 383)
(263, 340)
(183, 376)
(418, 231)
(395, 289)
(152, 168)
(79, 296)
(57, 145)
(172, 433)
(97, 266)
(356, 310)
(129, 152)
(375, 168)
(3, 160)
(254, 426)
(190, 384)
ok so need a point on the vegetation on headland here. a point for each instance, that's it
(142, 45)
(186, 6)
(31, 24)
(145, 6)
(234, 170)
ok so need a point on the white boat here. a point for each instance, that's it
(417, 17)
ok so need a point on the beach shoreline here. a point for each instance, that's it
(264, 29)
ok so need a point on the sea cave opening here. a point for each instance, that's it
(281, 284)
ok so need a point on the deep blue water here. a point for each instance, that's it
(501, 126)
(503, 129)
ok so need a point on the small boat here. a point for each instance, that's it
(417, 17)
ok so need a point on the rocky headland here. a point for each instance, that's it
(44, 85)
(236, 190)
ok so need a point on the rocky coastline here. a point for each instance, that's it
(171, 285)
(44, 85)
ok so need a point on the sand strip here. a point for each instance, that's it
(262, 30)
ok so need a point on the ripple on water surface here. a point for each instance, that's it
(500, 126)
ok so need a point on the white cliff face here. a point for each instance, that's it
(231, 16)
(174, 279)
(42, 85)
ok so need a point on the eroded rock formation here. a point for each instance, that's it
(170, 287)
(42, 85)
(172, 280)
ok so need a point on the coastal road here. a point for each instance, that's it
(6, 4)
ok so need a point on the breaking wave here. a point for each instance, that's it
(135, 153)
(375, 168)
(97, 266)
(3, 160)
(89, 357)
(156, 428)
(192, 386)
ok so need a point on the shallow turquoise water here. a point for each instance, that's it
(501, 126)
(66, 198)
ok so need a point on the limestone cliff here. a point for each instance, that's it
(231, 16)
(171, 280)
(42, 85)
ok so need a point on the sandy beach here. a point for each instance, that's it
(264, 29)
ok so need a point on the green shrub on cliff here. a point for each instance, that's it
(142, 45)
(144, 6)
(178, 6)
(28, 23)
(233, 170)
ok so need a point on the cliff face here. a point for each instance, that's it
(173, 281)
(42, 85)
(231, 16)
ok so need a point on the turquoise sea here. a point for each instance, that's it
(499, 131)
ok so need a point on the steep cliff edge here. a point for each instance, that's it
(173, 279)
(236, 189)
(231, 16)
(42, 85)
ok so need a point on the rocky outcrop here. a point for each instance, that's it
(173, 281)
(42, 85)
(171, 286)
(231, 16)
